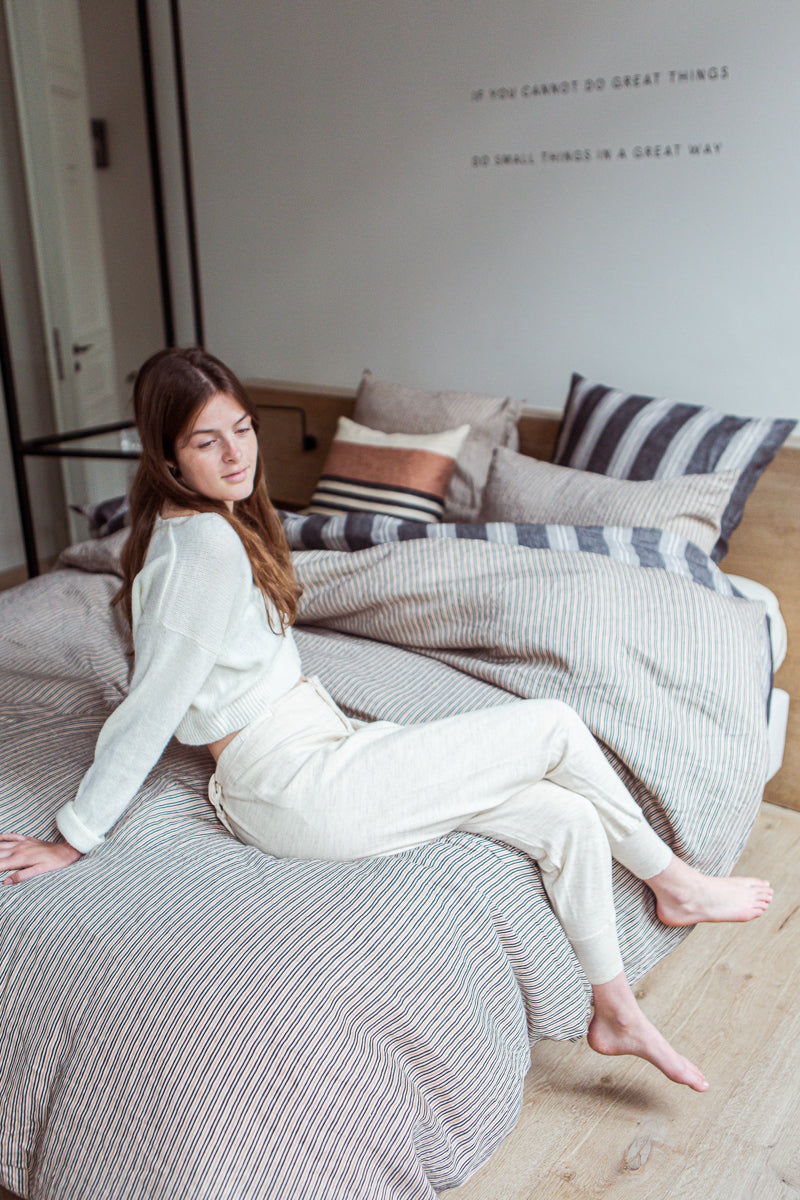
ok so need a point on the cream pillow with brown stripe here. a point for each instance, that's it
(400, 474)
(525, 490)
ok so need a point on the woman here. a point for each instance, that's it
(210, 593)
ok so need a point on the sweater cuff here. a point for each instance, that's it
(73, 830)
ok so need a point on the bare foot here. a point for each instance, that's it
(620, 1027)
(684, 896)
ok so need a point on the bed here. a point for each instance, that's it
(183, 1015)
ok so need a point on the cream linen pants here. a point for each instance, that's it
(305, 781)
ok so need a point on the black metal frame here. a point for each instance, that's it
(17, 444)
(151, 118)
(52, 446)
(186, 167)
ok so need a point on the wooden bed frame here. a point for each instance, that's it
(765, 547)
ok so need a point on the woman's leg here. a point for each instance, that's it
(379, 789)
(306, 782)
(312, 784)
(563, 834)
(619, 1026)
(385, 788)
(684, 896)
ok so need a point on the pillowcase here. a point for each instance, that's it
(642, 437)
(106, 516)
(100, 556)
(401, 474)
(492, 419)
(525, 490)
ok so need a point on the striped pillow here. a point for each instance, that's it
(526, 491)
(641, 437)
(400, 474)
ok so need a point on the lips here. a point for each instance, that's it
(237, 476)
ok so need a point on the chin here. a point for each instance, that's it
(240, 492)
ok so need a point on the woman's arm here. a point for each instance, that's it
(170, 670)
(23, 857)
(188, 597)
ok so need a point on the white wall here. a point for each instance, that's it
(342, 222)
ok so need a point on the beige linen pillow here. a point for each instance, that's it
(492, 419)
(525, 490)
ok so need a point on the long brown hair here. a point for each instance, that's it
(170, 390)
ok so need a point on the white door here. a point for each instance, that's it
(53, 111)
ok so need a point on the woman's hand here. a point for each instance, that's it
(24, 857)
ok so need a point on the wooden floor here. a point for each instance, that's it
(729, 997)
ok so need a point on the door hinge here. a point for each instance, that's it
(57, 351)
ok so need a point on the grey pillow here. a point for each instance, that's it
(525, 490)
(493, 421)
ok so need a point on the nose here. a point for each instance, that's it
(231, 450)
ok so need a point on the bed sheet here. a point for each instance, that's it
(182, 1014)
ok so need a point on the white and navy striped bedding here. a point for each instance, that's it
(638, 547)
(182, 1015)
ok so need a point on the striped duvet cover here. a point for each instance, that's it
(183, 1017)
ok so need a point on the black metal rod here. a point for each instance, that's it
(57, 452)
(15, 438)
(186, 164)
(51, 447)
(32, 445)
(156, 177)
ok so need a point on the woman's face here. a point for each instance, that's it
(216, 456)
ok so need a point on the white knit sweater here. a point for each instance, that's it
(206, 663)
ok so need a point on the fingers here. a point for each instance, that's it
(12, 845)
(23, 858)
(16, 856)
(21, 876)
(12, 838)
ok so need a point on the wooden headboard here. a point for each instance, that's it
(765, 547)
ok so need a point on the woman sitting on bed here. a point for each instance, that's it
(211, 597)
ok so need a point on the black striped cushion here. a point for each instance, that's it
(399, 474)
(641, 437)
